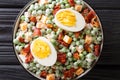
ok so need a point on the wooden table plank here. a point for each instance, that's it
(16, 72)
(99, 4)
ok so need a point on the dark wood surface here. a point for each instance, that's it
(107, 68)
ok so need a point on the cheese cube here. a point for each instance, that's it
(88, 39)
(43, 19)
(78, 7)
(67, 39)
(50, 77)
(79, 71)
(23, 26)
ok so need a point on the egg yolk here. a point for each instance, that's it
(66, 18)
(41, 49)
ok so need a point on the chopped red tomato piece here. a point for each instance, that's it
(69, 73)
(56, 8)
(71, 2)
(22, 40)
(43, 74)
(29, 58)
(97, 49)
(33, 19)
(61, 57)
(36, 32)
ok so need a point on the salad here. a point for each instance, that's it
(58, 39)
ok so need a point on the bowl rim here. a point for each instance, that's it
(15, 27)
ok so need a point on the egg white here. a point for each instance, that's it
(80, 21)
(51, 59)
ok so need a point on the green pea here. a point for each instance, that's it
(73, 49)
(50, 71)
(22, 17)
(31, 7)
(69, 54)
(53, 2)
(53, 41)
(78, 2)
(74, 39)
(51, 6)
(68, 67)
(93, 32)
(65, 1)
(84, 53)
(48, 22)
(73, 8)
(70, 59)
(81, 56)
(39, 12)
(49, 31)
(77, 43)
(16, 41)
(99, 38)
(57, 0)
(27, 19)
(36, 6)
(34, 13)
(32, 23)
(67, 5)
(62, 6)
(63, 49)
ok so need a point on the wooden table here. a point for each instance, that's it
(107, 68)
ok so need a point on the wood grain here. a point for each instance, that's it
(15, 72)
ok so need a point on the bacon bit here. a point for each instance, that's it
(33, 19)
(71, 2)
(97, 49)
(43, 74)
(22, 40)
(95, 22)
(87, 47)
(69, 73)
(56, 8)
(49, 25)
(60, 37)
(36, 32)
(29, 58)
(63, 43)
(76, 55)
(77, 34)
(61, 57)
(85, 12)
(26, 50)
(89, 17)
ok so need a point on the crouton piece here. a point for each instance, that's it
(67, 39)
(50, 77)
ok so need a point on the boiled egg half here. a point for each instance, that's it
(70, 20)
(43, 51)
